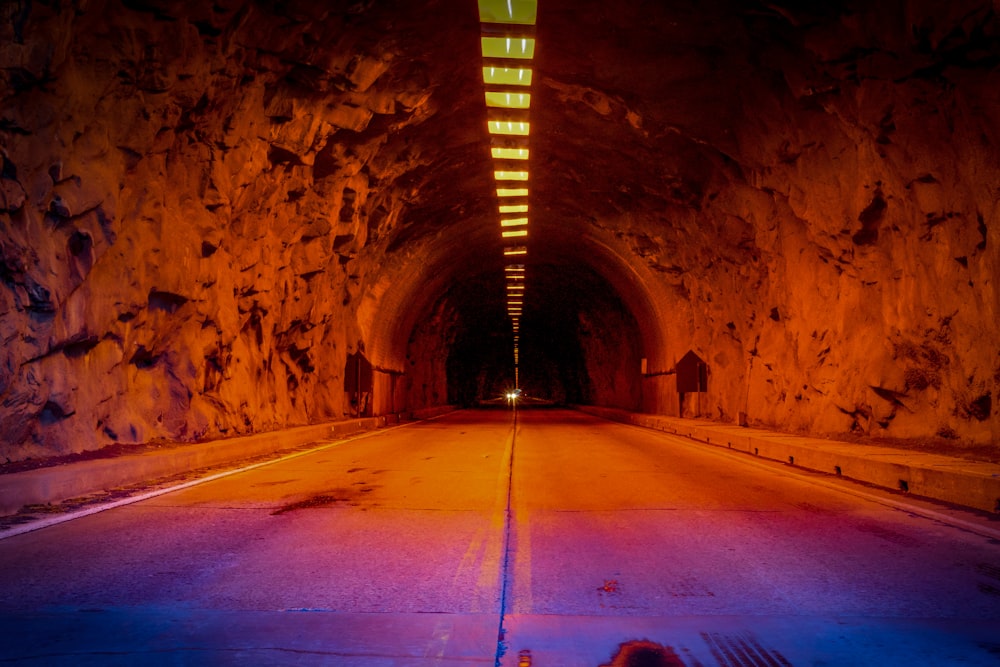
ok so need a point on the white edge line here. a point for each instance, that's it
(79, 514)
(806, 474)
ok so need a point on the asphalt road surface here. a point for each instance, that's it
(466, 541)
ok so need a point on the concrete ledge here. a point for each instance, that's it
(58, 483)
(966, 483)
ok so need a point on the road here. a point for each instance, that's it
(573, 541)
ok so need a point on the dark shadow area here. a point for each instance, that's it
(578, 343)
(480, 364)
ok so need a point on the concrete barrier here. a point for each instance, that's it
(55, 484)
(967, 483)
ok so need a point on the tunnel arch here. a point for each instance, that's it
(412, 285)
(201, 217)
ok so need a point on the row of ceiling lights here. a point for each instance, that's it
(508, 44)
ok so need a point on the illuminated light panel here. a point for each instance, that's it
(515, 251)
(514, 233)
(507, 76)
(516, 208)
(512, 192)
(504, 175)
(522, 12)
(522, 48)
(509, 128)
(509, 153)
(514, 268)
(514, 222)
(515, 288)
(508, 100)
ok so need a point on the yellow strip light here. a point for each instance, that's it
(515, 251)
(522, 12)
(512, 192)
(504, 175)
(509, 128)
(507, 76)
(514, 208)
(514, 233)
(514, 222)
(508, 47)
(508, 100)
(509, 153)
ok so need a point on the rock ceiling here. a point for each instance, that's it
(206, 207)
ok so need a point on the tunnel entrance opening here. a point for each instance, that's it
(579, 343)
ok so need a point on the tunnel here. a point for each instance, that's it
(230, 218)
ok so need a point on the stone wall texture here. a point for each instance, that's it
(205, 207)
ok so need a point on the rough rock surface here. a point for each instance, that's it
(205, 207)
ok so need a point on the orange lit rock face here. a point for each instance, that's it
(202, 212)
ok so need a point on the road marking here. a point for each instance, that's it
(491, 565)
(96, 509)
(504, 498)
(810, 476)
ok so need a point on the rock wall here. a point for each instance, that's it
(190, 202)
(813, 199)
(205, 207)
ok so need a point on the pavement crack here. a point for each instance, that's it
(505, 571)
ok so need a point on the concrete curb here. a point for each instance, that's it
(58, 483)
(967, 483)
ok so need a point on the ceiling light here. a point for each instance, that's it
(508, 11)
(504, 175)
(508, 100)
(509, 127)
(507, 76)
(512, 192)
(522, 48)
(514, 251)
(514, 233)
(514, 222)
(509, 153)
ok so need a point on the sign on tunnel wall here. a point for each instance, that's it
(692, 374)
(358, 383)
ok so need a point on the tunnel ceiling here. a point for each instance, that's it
(204, 207)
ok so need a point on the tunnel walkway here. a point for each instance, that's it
(390, 550)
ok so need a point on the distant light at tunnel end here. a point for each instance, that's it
(508, 51)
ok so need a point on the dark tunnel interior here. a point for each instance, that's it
(581, 346)
(207, 210)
